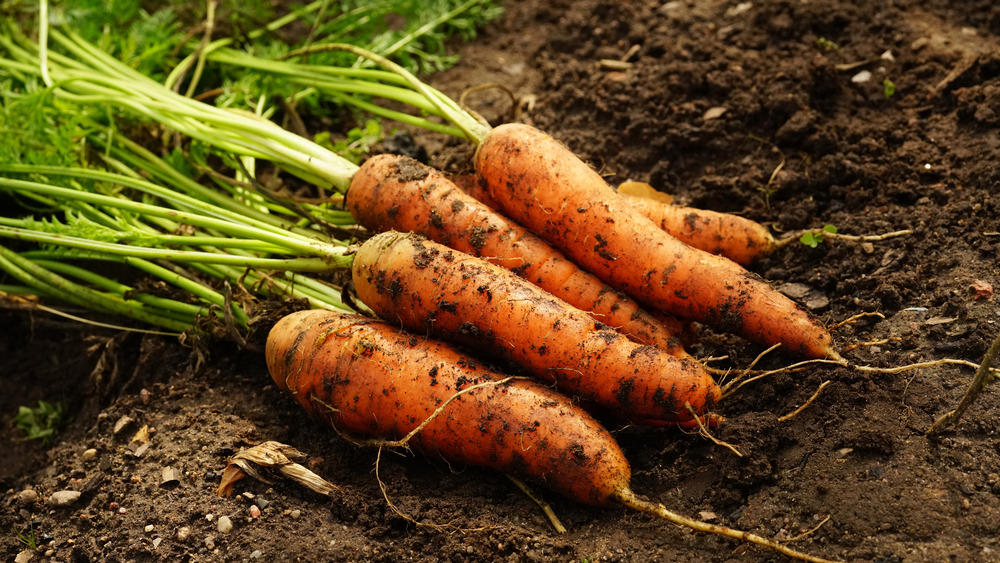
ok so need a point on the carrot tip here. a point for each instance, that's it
(832, 354)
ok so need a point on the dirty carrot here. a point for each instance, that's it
(538, 182)
(740, 239)
(368, 379)
(431, 289)
(392, 192)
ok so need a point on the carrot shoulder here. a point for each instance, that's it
(431, 289)
(369, 379)
(538, 182)
(398, 193)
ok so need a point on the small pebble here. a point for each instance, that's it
(254, 511)
(122, 423)
(24, 556)
(209, 543)
(156, 542)
(261, 503)
(144, 396)
(295, 514)
(256, 554)
(63, 498)
(27, 496)
(88, 454)
(148, 528)
(183, 533)
(863, 76)
(225, 525)
(122, 510)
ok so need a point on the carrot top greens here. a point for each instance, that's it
(111, 158)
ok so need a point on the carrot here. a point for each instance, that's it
(429, 288)
(740, 239)
(538, 182)
(367, 378)
(393, 192)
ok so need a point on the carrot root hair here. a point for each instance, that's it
(631, 500)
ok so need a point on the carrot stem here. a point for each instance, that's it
(474, 129)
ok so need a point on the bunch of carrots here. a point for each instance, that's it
(549, 273)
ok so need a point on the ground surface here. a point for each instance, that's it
(927, 158)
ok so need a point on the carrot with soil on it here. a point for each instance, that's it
(369, 379)
(539, 182)
(392, 192)
(429, 288)
(542, 185)
(740, 239)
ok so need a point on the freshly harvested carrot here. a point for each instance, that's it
(367, 378)
(538, 182)
(740, 239)
(429, 288)
(393, 192)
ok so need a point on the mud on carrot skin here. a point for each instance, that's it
(740, 239)
(399, 193)
(431, 289)
(540, 183)
(369, 379)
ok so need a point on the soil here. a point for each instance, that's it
(755, 108)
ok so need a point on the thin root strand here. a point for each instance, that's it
(704, 432)
(629, 499)
(795, 236)
(795, 413)
(854, 319)
(546, 507)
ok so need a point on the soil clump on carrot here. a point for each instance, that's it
(925, 158)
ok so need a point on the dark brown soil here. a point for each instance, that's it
(799, 144)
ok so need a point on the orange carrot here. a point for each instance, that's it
(538, 182)
(369, 379)
(392, 192)
(431, 289)
(740, 239)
